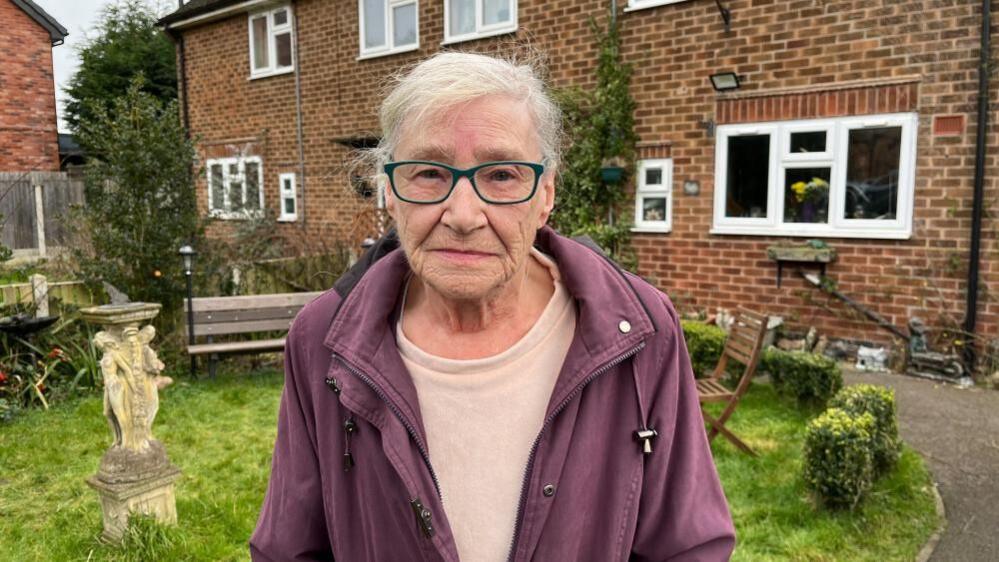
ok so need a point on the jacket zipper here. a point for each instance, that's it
(521, 505)
(412, 431)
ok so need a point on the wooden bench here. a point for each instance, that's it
(250, 314)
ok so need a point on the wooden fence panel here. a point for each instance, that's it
(59, 195)
(17, 205)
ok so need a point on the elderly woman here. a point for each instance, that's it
(480, 388)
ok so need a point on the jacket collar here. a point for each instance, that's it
(611, 319)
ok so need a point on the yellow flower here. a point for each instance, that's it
(799, 190)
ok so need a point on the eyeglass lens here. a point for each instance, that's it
(499, 182)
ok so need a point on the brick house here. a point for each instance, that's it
(28, 133)
(853, 122)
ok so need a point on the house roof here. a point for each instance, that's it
(56, 32)
(194, 8)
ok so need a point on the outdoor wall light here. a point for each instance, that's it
(187, 253)
(691, 187)
(725, 81)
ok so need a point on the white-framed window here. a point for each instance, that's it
(848, 177)
(234, 187)
(642, 4)
(474, 19)
(289, 201)
(271, 42)
(654, 196)
(388, 26)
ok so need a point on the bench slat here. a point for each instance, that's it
(233, 347)
(245, 302)
(219, 316)
(241, 327)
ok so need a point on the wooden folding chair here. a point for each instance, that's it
(744, 344)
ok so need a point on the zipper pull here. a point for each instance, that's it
(349, 427)
(334, 385)
(423, 518)
(646, 436)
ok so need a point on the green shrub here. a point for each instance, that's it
(879, 402)
(838, 465)
(705, 343)
(811, 378)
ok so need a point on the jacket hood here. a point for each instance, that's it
(362, 329)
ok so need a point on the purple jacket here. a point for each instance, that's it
(351, 476)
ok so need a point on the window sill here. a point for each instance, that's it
(377, 54)
(230, 216)
(651, 229)
(650, 4)
(269, 73)
(291, 218)
(479, 35)
(813, 232)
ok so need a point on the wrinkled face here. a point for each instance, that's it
(463, 247)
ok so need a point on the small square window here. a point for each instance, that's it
(474, 19)
(811, 141)
(653, 196)
(653, 176)
(289, 203)
(388, 27)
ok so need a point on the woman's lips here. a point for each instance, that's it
(465, 256)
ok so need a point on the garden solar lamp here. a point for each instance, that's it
(187, 253)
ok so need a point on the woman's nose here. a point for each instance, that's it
(464, 210)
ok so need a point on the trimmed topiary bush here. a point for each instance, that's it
(879, 402)
(705, 343)
(811, 378)
(838, 464)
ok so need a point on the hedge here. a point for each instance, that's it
(839, 465)
(811, 378)
(879, 402)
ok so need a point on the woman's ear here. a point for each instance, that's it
(547, 189)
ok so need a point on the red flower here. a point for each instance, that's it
(55, 353)
(3, 377)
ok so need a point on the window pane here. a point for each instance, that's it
(495, 11)
(461, 14)
(374, 23)
(806, 195)
(252, 186)
(216, 183)
(280, 17)
(289, 205)
(654, 209)
(653, 176)
(812, 141)
(235, 188)
(748, 176)
(282, 46)
(286, 185)
(872, 173)
(404, 22)
(260, 59)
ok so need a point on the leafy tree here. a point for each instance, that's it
(600, 122)
(128, 43)
(140, 198)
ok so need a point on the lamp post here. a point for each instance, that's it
(187, 253)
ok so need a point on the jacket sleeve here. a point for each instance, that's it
(292, 523)
(683, 514)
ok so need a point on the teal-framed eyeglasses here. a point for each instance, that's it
(497, 183)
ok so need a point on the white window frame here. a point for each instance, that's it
(286, 194)
(643, 4)
(389, 48)
(481, 30)
(837, 143)
(642, 191)
(273, 31)
(225, 212)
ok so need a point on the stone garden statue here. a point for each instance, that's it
(928, 363)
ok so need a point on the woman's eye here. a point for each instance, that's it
(429, 174)
(501, 175)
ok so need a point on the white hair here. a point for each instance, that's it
(448, 79)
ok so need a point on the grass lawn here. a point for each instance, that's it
(221, 433)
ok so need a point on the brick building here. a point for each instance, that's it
(28, 134)
(853, 122)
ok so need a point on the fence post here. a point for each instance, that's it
(40, 294)
(39, 216)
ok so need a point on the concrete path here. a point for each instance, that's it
(957, 432)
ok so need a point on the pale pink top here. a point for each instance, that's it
(482, 417)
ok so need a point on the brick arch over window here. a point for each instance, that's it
(821, 101)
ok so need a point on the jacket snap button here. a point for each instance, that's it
(548, 490)
(624, 326)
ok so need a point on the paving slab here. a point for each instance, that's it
(957, 432)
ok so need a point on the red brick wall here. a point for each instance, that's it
(921, 54)
(28, 135)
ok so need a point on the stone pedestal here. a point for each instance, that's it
(135, 474)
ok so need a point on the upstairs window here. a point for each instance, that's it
(271, 43)
(388, 27)
(849, 177)
(234, 187)
(474, 19)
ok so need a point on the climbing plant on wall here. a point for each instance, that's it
(599, 124)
